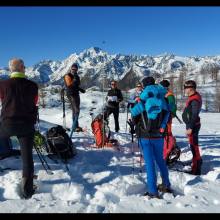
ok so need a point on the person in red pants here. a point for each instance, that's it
(192, 120)
(170, 140)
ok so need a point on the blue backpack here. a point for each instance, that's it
(152, 101)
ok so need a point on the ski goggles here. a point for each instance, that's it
(188, 86)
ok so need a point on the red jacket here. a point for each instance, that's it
(191, 112)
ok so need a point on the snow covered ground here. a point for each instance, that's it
(103, 181)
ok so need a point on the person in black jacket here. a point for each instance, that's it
(114, 97)
(72, 84)
(19, 97)
(192, 120)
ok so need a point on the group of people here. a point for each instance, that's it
(153, 107)
(72, 85)
(19, 97)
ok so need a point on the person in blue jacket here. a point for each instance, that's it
(135, 96)
(150, 117)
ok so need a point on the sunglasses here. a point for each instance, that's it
(186, 87)
(113, 84)
(139, 86)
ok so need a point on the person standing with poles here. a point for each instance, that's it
(150, 116)
(19, 97)
(192, 120)
(114, 97)
(72, 85)
(134, 98)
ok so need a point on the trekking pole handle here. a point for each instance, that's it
(177, 118)
(142, 117)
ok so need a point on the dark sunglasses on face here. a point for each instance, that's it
(186, 87)
(113, 84)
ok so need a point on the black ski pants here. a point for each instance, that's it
(25, 135)
(115, 112)
(75, 106)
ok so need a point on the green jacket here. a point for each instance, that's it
(172, 101)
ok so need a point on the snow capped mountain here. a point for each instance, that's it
(41, 71)
(95, 64)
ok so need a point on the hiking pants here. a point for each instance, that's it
(169, 140)
(153, 152)
(194, 146)
(25, 135)
(75, 106)
(169, 126)
(115, 112)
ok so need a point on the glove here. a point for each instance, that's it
(82, 90)
(162, 130)
(137, 99)
(131, 124)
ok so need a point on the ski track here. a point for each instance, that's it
(103, 180)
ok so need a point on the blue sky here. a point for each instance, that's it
(37, 33)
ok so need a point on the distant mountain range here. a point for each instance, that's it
(96, 65)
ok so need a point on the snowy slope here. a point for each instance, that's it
(103, 181)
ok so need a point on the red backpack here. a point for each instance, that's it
(102, 132)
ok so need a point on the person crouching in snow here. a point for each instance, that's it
(150, 116)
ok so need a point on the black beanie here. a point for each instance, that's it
(75, 65)
(165, 83)
(191, 83)
(147, 81)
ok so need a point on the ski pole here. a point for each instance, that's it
(143, 118)
(59, 155)
(177, 118)
(126, 120)
(132, 138)
(132, 144)
(43, 162)
(41, 157)
(64, 110)
(140, 156)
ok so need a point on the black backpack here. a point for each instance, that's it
(59, 143)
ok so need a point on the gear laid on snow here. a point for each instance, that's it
(102, 132)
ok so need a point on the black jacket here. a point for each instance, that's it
(114, 92)
(19, 98)
(153, 126)
(73, 89)
(191, 112)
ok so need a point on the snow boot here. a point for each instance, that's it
(164, 189)
(27, 188)
(79, 129)
(152, 196)
(196, 168)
